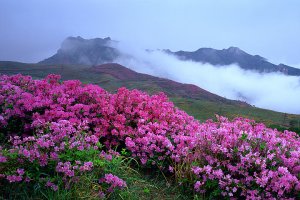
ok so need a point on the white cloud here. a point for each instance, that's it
(273, 91)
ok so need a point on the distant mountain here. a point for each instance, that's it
(79, 51)
(234, 55)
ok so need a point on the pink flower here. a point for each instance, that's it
(2, 159)
(114, 181)
(52, 185)
(20, 171)
(13, 178)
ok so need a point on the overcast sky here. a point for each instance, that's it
(31, 30)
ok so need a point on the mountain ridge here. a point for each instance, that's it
(96, 51)
(233, 55)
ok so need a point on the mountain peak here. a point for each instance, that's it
(80, 51)
(81, 41)
(235, 50)
(205, 49)
(234, 55)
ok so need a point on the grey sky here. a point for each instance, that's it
(33, 29)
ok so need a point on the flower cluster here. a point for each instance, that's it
(149, 126)
(60, 124)
(52, 185)
(247, 159)
(113, 181)
(70, 129)
(17, 177)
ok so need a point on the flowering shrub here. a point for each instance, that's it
(59, 128)
(242, 158)
(113, 181)
(57, 132)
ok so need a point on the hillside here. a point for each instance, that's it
(171, 88)
(194, 100)
(112, 76)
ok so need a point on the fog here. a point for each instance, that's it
(273, 91)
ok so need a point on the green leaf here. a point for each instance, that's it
(262, 145)
(244, 136)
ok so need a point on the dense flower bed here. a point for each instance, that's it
(247, 159)
(66, 129)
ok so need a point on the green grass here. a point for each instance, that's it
(142, 184)
(204, 110)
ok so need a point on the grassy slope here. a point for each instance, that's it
(207, 109)
(201, 109)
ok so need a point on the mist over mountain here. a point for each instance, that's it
(171, 88)
(234, 55)
(79, 51)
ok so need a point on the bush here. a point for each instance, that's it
(54, 129)
(60, 135)
(242, 158)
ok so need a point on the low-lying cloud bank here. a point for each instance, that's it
(273, 91)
